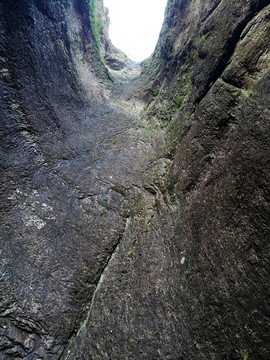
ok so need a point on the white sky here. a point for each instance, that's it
(135, 25)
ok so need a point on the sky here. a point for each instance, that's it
(135, 25)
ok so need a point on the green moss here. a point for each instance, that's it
(203, 38)
(173, 140)
(96, 26)
(131, 251)
(115, 140)
(179, 101)
(227, 351)
(61, 43)
(189, 72)
(171, 2)
(71, 344)
(186, 58)
(171, 190)
(75, 45)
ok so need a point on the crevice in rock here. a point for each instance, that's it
(97, 287)
(88, 158)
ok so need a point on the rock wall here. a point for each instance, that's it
(134, 199)
(45, 47)
(211, 86)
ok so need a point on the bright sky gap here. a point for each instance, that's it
(135, 25)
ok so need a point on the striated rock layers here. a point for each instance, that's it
(134, 198)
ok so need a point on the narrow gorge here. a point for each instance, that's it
(134, 196)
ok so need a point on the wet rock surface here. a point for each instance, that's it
(134, 197)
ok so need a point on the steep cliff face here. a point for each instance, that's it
(134, 199)
(42, 116)
(54, 118)
(216, 61)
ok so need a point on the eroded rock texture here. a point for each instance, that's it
(134, 198)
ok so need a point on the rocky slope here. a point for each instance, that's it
(134, 199)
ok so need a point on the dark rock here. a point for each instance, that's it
(134, 212)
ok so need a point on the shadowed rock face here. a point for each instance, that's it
(134, 198)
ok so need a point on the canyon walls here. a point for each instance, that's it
(134, 197)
